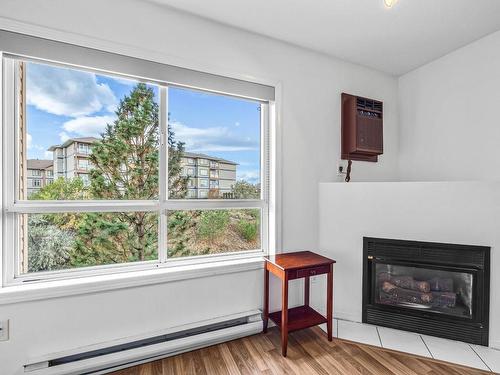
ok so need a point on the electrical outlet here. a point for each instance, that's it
(341, 168)
(4, 330)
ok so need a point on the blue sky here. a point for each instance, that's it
(64, 103)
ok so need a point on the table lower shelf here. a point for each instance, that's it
(299, 318)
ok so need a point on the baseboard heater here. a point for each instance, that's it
(124, 353)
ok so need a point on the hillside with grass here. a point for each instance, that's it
(197, 232)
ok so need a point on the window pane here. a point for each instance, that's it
(203, 232)
(87, 135)
(216, 140)
(59, 241)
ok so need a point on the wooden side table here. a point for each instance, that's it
(290, 266)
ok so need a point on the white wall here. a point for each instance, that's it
(311, 86)
(449, 124)
(450, 131)
(452, 212)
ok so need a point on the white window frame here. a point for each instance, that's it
(12, 207)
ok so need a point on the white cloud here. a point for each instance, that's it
(214, 139)
(48, 155)
(252, 176)
(32, 146)
(64, 136)
(67, 92)
(29, 141)
(87, 126)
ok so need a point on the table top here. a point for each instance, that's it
(300, 259)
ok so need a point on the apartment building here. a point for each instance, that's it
(71, 158)
(209, 177)
(39, 174)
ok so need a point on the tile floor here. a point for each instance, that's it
(446, 350)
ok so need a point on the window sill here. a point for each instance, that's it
(93, 284)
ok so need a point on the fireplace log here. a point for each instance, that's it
(405, 282)
(395, 294)
(408, 282)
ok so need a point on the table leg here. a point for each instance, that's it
(284, 315)
(329, 303)
(266, 299)
(306, 291)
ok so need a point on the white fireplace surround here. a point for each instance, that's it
(452, 212)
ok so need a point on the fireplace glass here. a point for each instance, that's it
(432, 290)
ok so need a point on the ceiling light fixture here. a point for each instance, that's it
(390, 3)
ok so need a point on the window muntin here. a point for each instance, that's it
(22, 207)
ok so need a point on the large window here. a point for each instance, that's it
(145, 171)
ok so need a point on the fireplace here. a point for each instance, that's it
(430, 288)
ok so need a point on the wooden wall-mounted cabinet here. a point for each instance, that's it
(362, 128)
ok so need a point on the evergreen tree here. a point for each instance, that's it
(177, 183)
(125, 160)
(124, 167)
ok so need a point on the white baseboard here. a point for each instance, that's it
(114, 361)
(495, 344)
(201, 341)
(350, 316)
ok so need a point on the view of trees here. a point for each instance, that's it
(246, 190)
(125, 164)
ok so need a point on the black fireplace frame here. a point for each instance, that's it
(472, 259)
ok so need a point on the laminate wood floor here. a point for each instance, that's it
(309, 352)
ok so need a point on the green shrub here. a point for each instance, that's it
(248, 229)
(178, 225)
(49, 247)
(212, 223)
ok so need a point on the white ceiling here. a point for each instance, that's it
(395, 40)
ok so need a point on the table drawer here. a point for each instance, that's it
(305, 272)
